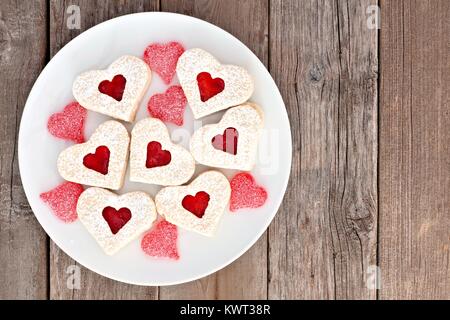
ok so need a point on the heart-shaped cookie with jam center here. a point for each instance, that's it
(198, 206)
(232, 143)
(116, 91)
(99, 162)
(155, 159)
(114, 221)
(210, 86)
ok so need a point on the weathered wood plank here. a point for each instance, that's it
(23, 243)
(324, 59)
(414, 150)
(93, 286)
(246, 278)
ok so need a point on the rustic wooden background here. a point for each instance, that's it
(370, 181)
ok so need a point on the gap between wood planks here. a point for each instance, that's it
(289, 261)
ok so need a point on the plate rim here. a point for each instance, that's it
(103, 24)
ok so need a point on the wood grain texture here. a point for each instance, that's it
(414, 150)
(92, 286)
(246, 278)
(324, 60)
(23, 244)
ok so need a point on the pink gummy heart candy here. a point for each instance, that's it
(163, 58)
(245, 193)
(168, 106)
(69, 123)
(63, 200)
(161, 241)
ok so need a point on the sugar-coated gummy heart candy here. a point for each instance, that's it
(69, 123)
(168, 106)
(245, 193)
(161, 241)
(163, 58)
(63, 200)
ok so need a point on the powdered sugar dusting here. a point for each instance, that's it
(111, 134)
(247, 119)
(178, 171)
(63, 200)
(238, 82)
(169, 203)
(161, 241)
(94, 200)
(138, 77)
(68, 124)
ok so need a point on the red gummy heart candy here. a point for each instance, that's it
(98, 161)
(163, 58)
(168, 106)
(208, 86)
(227, 141)
(161, 241)
(63, 200)
(116, 219)
(114, 88)
(156, 156)
(245, 193)
(68, 124)
(196, 204)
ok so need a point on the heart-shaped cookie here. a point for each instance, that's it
(114, 221)
(116, 91)
(101, 161)
(210, 86)
(155, 159)
(198, 206)
(232, 143)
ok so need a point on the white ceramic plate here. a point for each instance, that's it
(96, 49)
